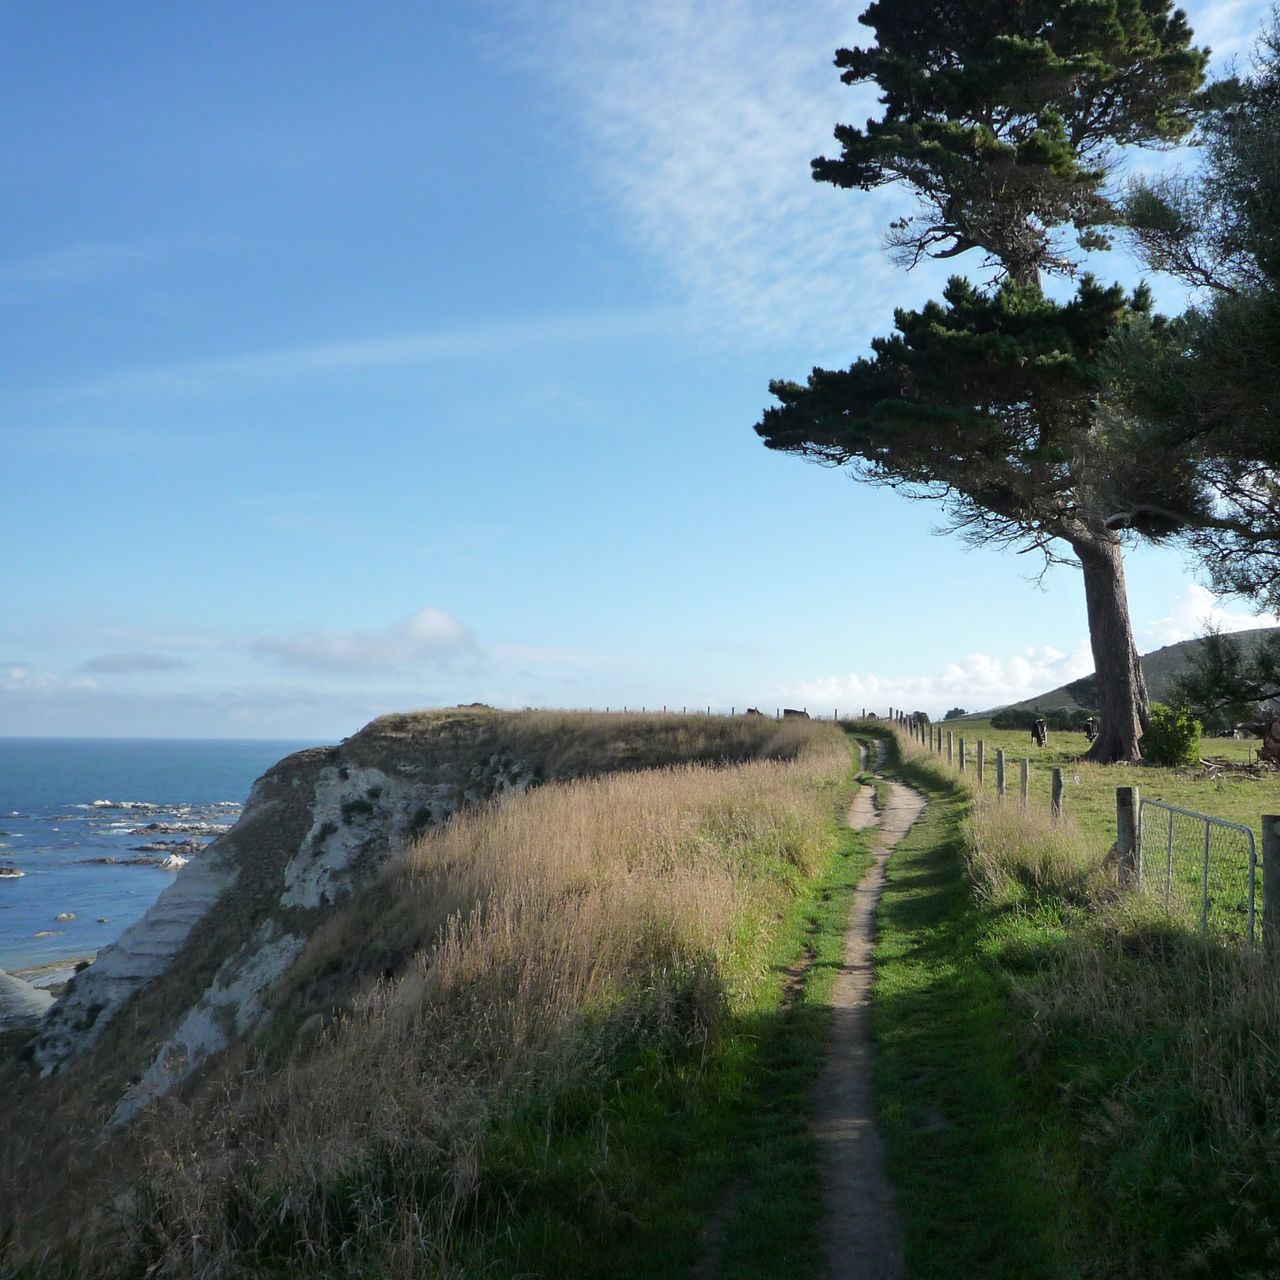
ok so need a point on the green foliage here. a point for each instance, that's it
(955, 713)
(1063, 719)
(1004, 117)
(983, 400)
(1227, 682)
(1172, 737)
(1200, 393)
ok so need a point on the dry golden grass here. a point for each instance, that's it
(535, 939)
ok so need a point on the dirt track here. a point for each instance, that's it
(863, 1237)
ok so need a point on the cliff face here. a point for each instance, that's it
(196, 971)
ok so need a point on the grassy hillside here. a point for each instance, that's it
(1159, 666)
(543, 1003)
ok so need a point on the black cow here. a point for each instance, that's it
(794, 714)
(1040, 732)
(1090, 728)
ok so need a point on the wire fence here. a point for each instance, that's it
(1210, 873)
(1205, 868)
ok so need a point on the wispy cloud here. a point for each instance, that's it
(73, 264)
(1229, 27)
(132, 663)
(698, 119)
(22, 678)
(976, 682)
(233, 373)
(430, 637)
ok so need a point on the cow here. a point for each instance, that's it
(1040, 732)
(1090, 729)
(794, 714)
(754, 711)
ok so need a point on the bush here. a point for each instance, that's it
(955, 713)
(1172, 737)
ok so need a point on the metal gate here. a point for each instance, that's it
(1203, 865)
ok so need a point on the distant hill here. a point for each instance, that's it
(1159, 666)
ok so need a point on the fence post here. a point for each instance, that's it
(1055, 794)
(1000, 773)
(949, 746)
(1271, 881)
(1128, 848)
(1026, 780)
(982, 760)
(962, 755)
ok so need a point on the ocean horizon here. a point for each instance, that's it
(92, 830)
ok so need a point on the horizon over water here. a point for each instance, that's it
(66, 801)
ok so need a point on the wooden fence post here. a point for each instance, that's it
(1000, 773)
(1055, 794)
(949, 746)
(962, 755)
(982, 760)
(1026, 780)
(1128, 850)
(1271, 882)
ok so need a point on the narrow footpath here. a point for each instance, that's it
(863, 1235)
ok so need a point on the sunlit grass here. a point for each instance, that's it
(466, 1115)
(1148, 1056)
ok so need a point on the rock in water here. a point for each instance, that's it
(21, 1004)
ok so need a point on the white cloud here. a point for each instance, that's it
(430, 637)
(20, 678)
(132, 663)
(976, 682)
(73, 264)
(223, 373)
(1229, 27)
(698, 120)
(1195, 610)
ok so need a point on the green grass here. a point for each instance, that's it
(979, 1177)
(678, 1133)
(1089, 799)
(708, 1151)
(1070, 1084)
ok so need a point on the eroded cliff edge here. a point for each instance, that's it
(195, 972)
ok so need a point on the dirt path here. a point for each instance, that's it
(864, 1240)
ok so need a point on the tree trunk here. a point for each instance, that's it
(1122, 692)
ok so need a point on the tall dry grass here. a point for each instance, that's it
(1014, 852)
(539, 940)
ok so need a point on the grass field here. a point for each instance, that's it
(597, 1057)
(1089, 802)
(1071, 1083)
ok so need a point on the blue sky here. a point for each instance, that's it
(362, 358)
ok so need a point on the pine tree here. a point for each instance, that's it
(1004, 117)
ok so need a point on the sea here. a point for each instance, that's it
(76, 817)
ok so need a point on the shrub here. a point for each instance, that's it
(1172, 737)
